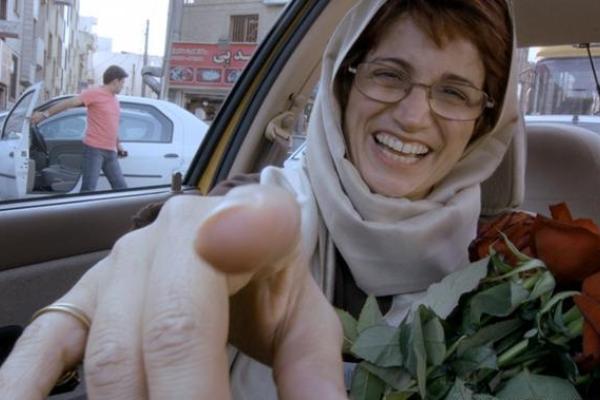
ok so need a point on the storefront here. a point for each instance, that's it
(202, 74)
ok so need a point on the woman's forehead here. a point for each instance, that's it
(405, 43)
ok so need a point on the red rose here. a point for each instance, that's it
(569, 247)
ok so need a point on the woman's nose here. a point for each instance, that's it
(413, 112)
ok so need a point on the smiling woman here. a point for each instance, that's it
(385, 203)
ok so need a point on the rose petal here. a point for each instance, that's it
(591, 286)
(517, 228)
(591, 349)
(590, 309)
(560, 212)
(570, 252)
(587, 224)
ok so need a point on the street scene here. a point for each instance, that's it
(299, 199)
(179, 58)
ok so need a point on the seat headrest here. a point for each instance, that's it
(504, 190)
(563, 164)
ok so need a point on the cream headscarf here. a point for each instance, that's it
(391, 245)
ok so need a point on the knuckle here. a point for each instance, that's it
(107, 361)
(168, 338)
(128, 244)
(171, 207)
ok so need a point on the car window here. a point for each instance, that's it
(558, 86)
(182, 58)
(14, 123)
(142, 123)
(64, 127)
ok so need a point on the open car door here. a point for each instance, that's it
(16, 171)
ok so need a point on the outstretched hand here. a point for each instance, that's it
(165, 301)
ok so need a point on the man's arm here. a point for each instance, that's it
(57, 108)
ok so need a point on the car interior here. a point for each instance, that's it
(47, 243)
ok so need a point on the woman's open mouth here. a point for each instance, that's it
(397, 150)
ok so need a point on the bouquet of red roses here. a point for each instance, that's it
(515, 324)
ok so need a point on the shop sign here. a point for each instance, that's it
(207, 65)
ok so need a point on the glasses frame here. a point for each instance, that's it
(488, 102)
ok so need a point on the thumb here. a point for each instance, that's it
(253, 227)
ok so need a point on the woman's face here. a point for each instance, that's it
(384, 139)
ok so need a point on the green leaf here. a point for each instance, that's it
(555, 301)
(380, 345)
(520, 256)
(499, 300)
(438, 388)
(412, 346)
(544, 285)
(474, 359)
(459, 391)
(397, 378)
(442, 298)
(435, 341)
(369, 315)
(528, 386)
(398, 396)
(530, 264)
(365, 385)
(349, 327)
(489, 334)
(499, 266)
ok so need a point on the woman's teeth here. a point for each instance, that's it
(406, 152)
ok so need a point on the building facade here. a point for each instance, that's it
(209, 42)
(43, 40)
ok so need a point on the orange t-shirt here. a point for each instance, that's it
(102, 118)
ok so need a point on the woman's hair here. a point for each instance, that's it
(485, 23)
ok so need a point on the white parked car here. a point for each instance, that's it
(161, 139)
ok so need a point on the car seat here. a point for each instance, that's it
(563, 164)
(60, 178)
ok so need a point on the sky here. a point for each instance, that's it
(125, 22)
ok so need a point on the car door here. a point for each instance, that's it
(153, 143)
(15, 165)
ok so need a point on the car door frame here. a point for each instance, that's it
(14, 152)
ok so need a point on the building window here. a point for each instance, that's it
(189, 1)
(3, 9)
(13, 77)
(244, 28)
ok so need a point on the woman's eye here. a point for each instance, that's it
(452, 93)
(390, 75)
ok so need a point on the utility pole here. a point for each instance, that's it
(145, 54)
(132, 93)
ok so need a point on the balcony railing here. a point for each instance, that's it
(64, 2)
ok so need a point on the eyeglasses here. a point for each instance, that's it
(449, 100)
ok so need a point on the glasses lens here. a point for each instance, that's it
(382, 83)
(457, 101)
(449, 100)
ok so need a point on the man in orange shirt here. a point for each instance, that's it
(101, 146)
